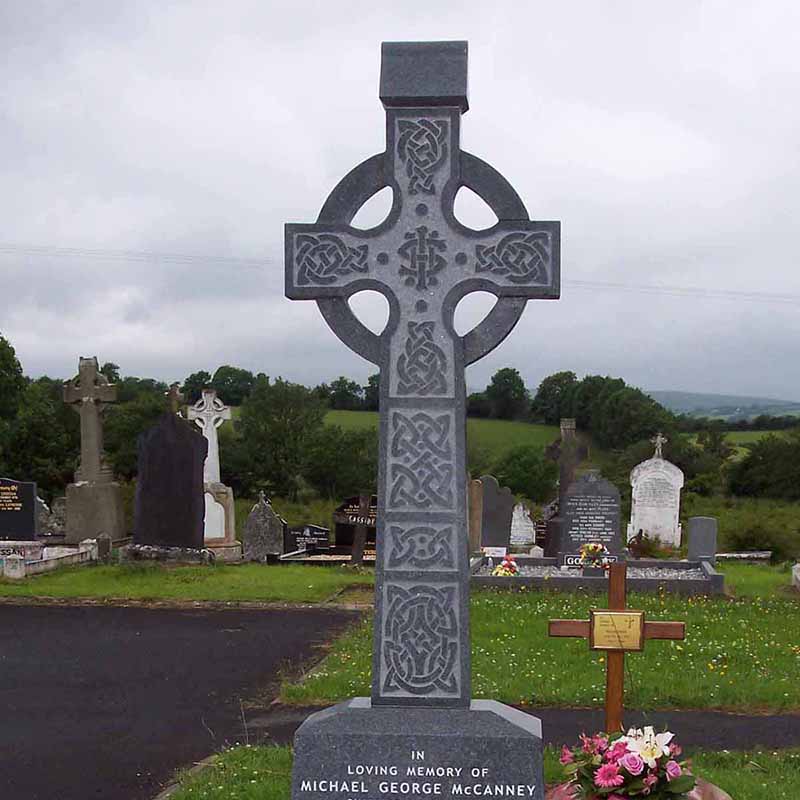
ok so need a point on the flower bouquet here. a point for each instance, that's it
(507, 568)
(594, 556)
(640, 764)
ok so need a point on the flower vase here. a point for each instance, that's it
(593, 572)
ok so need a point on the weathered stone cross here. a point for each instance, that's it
(88, 394)
(423, 261)
(208, 413)
(174, 398)
(659, 441)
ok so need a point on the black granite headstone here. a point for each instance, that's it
(18, 510)
(498, 509)
(307, 537)
(170, 506)
(348, 516)
(591, 513)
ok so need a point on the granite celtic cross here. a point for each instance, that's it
(89, 393)
(423, 261)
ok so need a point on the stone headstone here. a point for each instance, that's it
(796, 577)
(219, 525)
(264, 532)
(93, 501)
(169, 490)
(523, 531)
(703, 539)
(18, 510)
(355, 523)
(591, 513)
(656, 499)
(498, 507)
(307, 537)
(567, 451)
(420, 716)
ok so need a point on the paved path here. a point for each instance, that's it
(711, 730)
(108, 702)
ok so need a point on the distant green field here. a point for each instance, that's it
(749, 437)
(496, 436)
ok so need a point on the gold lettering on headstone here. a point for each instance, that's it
(9, 499)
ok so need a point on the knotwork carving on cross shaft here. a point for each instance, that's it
(420, 547)
(421, 465)
(422, 147)
(422, 366)
(420, 645)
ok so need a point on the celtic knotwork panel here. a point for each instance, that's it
(421, 547)
(422, 147)
(421, 251)
(323, 258)
(519, 257)
(421, 642)
(421, 461)
(422, 366)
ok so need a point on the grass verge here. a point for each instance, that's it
(264, 773)
(741, 654)
(249, 582)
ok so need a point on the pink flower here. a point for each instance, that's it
(673, 769)
(600, 743)
(588, 744)
(616, 751)
(616, 797)
(650, 780)
(608, 776)
(632, 762)
(675, 749)
(566, 755)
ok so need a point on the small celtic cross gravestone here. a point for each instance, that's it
(208, 413)
(89, 393)
(423, 261)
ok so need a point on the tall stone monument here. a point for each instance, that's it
(420, 716)
(208, 413)
(496, 511)
(656, 498)
(94, 500)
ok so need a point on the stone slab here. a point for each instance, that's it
(591, 513)
(796, 577)
(497, 511)
(93, 510)
(656, 501)
(523, 531)
(357, 750)
(18, 510)
(26, 549)
(264, 532)
(169, 490)
(703, 539)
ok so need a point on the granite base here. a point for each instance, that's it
(94, 509)
(356, 750)
(173, 555)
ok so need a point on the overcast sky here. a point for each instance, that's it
(664, 136)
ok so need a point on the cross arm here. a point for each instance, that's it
(103, 393)
(664, 630)
(519, 258)
(327, 261)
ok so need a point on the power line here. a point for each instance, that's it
(145, 256)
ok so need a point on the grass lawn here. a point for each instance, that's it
(495, 436)
(288, 583)
(264, 773)
(756, 580)
(742, 654)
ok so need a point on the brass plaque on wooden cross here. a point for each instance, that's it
(616, 630)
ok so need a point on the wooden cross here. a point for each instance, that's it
(616, 630)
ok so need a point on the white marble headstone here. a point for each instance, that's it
(523, 532)
(215, 519)
(656, 499)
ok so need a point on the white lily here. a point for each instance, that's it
(648, 744)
